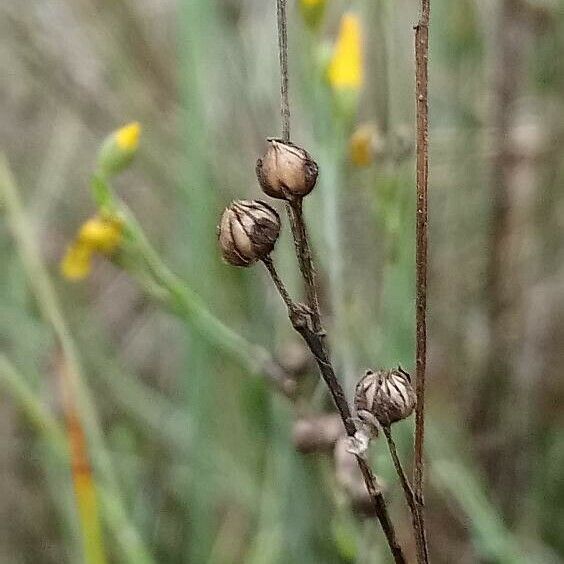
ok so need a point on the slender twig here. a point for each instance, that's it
(303, 252)
(294, 205)
(302, 321)
(407, 489)
(282, 21)
(421, 93)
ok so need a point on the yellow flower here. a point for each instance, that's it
(127, 137)
(345, 69)
(77, 262)
(364, 144)
(101, 235)
(118, 149)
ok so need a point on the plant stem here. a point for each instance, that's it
(407, 489)
(421, 94)
(282, 22)
(302, 317)
(302, 321)
(303, 252)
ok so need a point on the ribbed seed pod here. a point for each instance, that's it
(286, 170)
(247, 231)
(384, 396)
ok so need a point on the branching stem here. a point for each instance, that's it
(302, 320)
(306, 320)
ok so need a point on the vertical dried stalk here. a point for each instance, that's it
(282, 21)
(421, 93)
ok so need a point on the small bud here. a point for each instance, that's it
(118, 149)
(286, 170)
(247, 231)
(384, 397)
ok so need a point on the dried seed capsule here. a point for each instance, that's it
(247, 231)
(286, 170)
(318, 433)
(384, 397)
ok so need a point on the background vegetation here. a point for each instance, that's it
(193, 457)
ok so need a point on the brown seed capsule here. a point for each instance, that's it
(384, 396)
(247, 231)
(286, 170)
(318, 433)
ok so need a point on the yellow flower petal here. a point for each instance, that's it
(101, 234)
(77, 262)
(127, 137)
(345, 69)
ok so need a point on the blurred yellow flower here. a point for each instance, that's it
(97, 235)
(101, 234)
(345, 69)
(127, 137)
(77, 262)
(365, 143)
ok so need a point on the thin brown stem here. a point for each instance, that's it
(408, 492)
(302, 321)
(282, 21)
(421, 89)
(303, 252)
(279, 285)
(421, 93)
